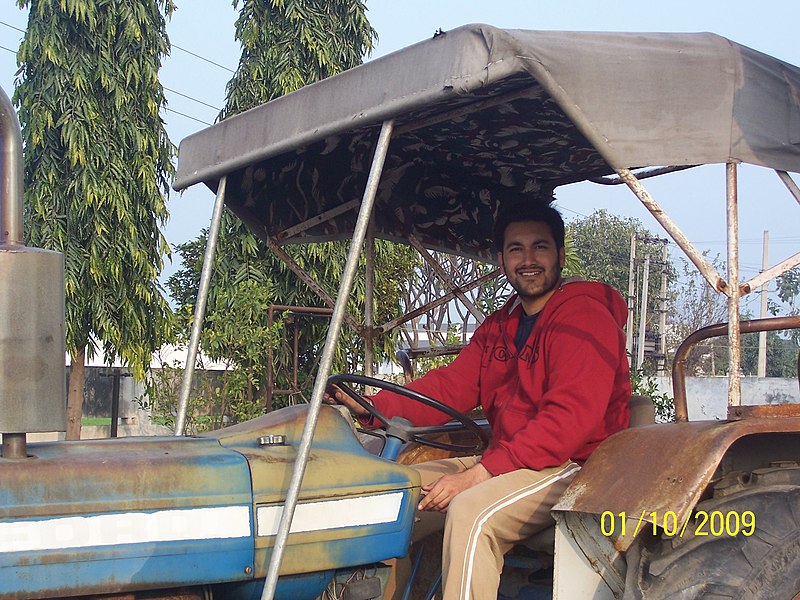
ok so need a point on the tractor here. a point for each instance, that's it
(417, 147)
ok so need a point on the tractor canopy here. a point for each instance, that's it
(483, 114)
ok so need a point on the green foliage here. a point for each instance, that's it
(98, 165)
(788, 287)
(428, 363)
(287, 44)
(643, 384)
(696, 305)
(246, 283)
(206, 405)
(572, 263)
(781, 355)
(602, 249)
(238, 337)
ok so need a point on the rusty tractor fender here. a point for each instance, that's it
(648, 474)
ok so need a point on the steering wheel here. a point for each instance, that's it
(404, 429)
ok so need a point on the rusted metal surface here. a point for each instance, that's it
(445, 276)
(338, 468)
(119, 475)
(716, 330)
(770, 274)
(706, 269)
(604, 558)
(644, 174)
(195, 593)
(295, 311)
(389, 325)
(767, 410)
(308, 280)
(114, 516)
(651, 470)
(790, 184)
(317, 219)
(435, 351)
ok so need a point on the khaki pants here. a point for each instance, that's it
(484, 522)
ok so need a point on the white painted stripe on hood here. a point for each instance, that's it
(333, 514)
(222, 522)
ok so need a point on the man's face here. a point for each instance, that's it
(531, 262)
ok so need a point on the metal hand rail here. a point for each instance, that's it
(717, 330)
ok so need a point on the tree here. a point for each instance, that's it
(781, 355)
(788, 287)
(695, 305)
(97, 169)
(602, 246)
(232, 326)
(287, 44)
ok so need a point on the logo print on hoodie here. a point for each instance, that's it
(504, 354)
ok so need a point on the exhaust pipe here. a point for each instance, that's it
(32, 346)
(11, 174)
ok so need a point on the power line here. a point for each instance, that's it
(12, 27)
(216, 64)
(191, 98)
(176, 92)
(188, 116)
(181, 48)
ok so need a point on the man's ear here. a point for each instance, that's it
(562, 256)
(500, 262)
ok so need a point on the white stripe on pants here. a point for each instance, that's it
(486, 521)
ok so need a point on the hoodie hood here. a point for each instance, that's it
(574, 287)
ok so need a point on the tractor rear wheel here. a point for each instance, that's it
(720, 556)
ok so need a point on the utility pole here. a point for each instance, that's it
(631, 300)
(762, 335)
(643, 315)
(662, 318)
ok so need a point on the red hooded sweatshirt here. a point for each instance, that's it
(557, 399)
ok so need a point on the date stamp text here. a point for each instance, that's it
(715, 523)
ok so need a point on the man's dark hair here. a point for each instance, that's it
(528, 211)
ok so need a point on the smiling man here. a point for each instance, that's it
(549, 370)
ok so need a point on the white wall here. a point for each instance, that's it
(707, 397)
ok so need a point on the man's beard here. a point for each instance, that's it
(529, 290)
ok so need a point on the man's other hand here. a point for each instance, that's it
(334, 395)
(440, 493)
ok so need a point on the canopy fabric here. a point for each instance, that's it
(485, 115)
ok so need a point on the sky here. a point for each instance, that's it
(205, 53)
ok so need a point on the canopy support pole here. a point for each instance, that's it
(734, 333)
(445, 276)
(706, 269)
(303, 452)
(789, 183)
(200, 307)
(369, 302)
(389, 325)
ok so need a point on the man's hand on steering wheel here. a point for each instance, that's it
(340, 392)
(335, 395)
